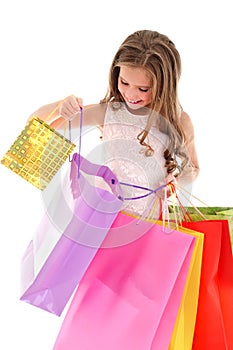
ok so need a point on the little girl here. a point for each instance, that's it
(148, 139)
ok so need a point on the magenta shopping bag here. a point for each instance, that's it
(130, 295)
(50, 274)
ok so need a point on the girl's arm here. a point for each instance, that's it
(57, 113)
(191, 170)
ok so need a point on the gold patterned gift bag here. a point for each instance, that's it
(38, 153)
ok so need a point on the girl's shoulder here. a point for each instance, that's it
(186, 124)
(184, 117)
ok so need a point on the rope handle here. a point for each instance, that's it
(183, 212)
(53, 111)
(150, 191)
(80, 139)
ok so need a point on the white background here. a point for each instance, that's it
(50, 49)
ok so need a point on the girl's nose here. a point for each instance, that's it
(133, 96)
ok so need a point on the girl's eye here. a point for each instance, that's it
(140, 89)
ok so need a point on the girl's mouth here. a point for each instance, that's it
(134, 102)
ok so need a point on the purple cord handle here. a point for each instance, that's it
(80, 138)
(150, 191)
(103, 171)
(81, 163)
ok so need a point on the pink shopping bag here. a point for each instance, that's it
(49, 276)
(130, 294)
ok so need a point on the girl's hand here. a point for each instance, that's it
(70, 106)
(168, 179)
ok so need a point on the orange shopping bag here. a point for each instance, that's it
(183, 333)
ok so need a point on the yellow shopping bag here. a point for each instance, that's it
(183, 333)
(37, 153)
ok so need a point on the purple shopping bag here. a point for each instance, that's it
(49, 276)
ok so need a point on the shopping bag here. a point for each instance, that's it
(50, 274)
(213, 329)
(214, 213)
(183, 332)
(37, 153)
(130, 294)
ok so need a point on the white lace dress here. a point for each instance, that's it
(126, 156)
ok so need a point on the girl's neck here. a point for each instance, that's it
(144, 111)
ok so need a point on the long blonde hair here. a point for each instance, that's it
(157, 54)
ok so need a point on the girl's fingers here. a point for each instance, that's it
(70, 106)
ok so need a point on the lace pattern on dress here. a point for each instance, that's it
(125, 155)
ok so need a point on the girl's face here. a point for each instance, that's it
(135, 86)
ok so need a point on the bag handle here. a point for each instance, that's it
(80, 163)
(53, 111)
(183, 212)
(150, 191)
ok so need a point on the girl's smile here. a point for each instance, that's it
(135, 86)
